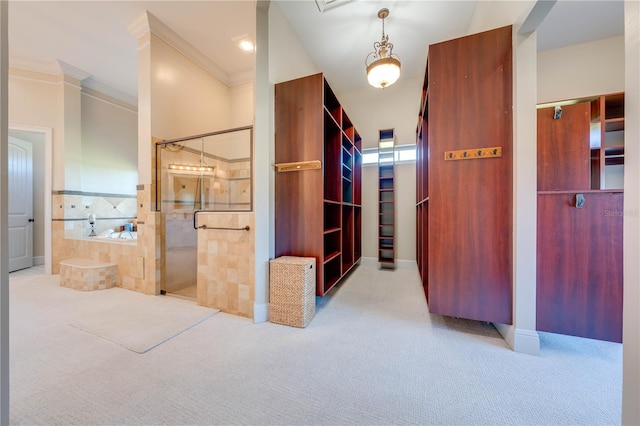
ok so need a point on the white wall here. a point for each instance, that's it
(33, 101)
(358, 103)
(405, 192)
(109, 145)
(241, 105)
(287, 57)
(490, 14)
(263, 175)
(186, 99)
(279, 57)
(587, 69)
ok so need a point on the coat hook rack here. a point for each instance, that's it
(557, 112)
(473, 154)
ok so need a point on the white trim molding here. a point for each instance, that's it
(260, 312)
(117, 95)
(520, 339)
(146, 23)
(241, 78)
(58, 72)
(71, 71)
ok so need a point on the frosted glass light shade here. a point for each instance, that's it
(383, 72)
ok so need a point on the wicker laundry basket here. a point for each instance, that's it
(292, 292)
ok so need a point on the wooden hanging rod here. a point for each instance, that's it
(298, 166)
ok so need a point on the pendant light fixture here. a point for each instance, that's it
(383, 66)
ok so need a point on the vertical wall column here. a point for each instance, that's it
(150, 223)
(264, 176)
(141, 30)
(522, 335)
(631, 314)
(69, 176)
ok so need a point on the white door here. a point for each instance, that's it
(20, 205)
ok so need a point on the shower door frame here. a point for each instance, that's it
(159, 182)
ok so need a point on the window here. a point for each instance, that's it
(403, 154)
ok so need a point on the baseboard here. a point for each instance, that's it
(38, 260)
(260, 312)
(519, 339)
(400, 263)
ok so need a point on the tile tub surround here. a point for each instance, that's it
(139, 262)
(74, 207)
(225, 259)
(87, 275)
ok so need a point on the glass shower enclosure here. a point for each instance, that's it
(199, 174)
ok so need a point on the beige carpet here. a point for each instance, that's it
(138, 322)
(372, 355)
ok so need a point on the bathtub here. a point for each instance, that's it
(110, 235)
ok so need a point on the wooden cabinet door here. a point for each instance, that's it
(579, 269)
(564, 155)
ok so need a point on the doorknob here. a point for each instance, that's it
(32, 220)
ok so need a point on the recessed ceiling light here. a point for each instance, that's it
(245, 43)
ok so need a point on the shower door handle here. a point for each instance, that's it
(195, 214)
(195, 223)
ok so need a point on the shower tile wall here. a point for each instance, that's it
(239, 185)
(226, 263)
(227, 189)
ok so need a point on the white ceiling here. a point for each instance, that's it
(339, 39)
(93, 36)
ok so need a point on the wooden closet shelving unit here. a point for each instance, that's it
(464, 208)
(422, 186)
(386, 199)
(580, 217)
(318, 211)
(607, 121)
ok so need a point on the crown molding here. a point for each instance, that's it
(56, 71)
(117, 95)
(241, 78)
(41, 67)
(147, 22)
(71, 71)
(139, 26)
(62, 71)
